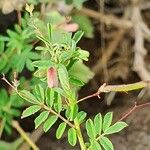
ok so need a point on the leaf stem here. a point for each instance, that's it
(59, 116)
(87, 97)
(15, 124)
(2, 124)
(79, 135)
(98, 138)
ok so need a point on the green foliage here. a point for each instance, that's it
(72, 136)
(76, 3)
(118, 126)
(99, 128)
(98, 123)
(49, 122)
(19, 50)
(106, 143)
(91, 131)
(55, 56)
(63, 76)
(30, 111)
(81, 116)
(60, 130)
(41, 118)
(85, 25)
(9, 109)
(107, 121)
(13, 145)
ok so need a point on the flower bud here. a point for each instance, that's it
(52, 79)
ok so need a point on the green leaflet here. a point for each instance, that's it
(41, 118)
(28, 96)
(60, 130)
(72, 136)
(49, 97)
(71, 112)
(107, 121)
(77, 36)
(95, 146)
(98, 123)
(85, 25)
(30, 111)
(39, 92)
(90, 128)
(81, 116)
(58, 102)
(63, 77)
(118, 126)
(106, 143)
(49, 122)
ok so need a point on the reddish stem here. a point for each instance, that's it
(135, 107)
(89, 96)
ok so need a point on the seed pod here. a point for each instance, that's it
(52, 79)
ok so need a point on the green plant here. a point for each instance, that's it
(58, 92)
(9, 108)
(60, 72)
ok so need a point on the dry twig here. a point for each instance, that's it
(140, 28)
(107, 19)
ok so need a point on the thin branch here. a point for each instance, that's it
(35, 135)
(135, 107)
(4, 78)
(59, 116)
(19, 17)
(16, 125)
(107, 19)
(140, 28)
(87, 97)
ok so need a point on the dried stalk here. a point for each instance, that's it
(140, 28)
(107, 19)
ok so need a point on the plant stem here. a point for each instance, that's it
(2, 123)
(24, 135)
(59, 116)
(79, 135)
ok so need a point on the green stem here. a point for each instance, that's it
(79, 135)
(2, 126)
